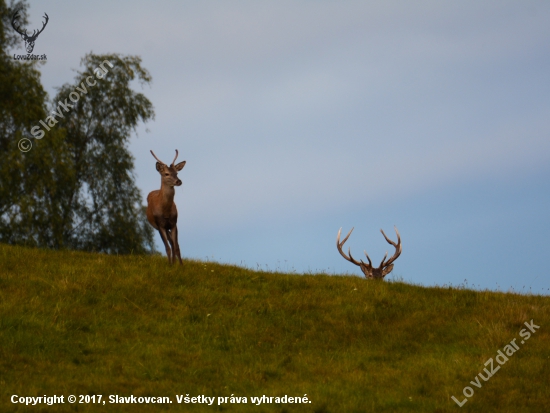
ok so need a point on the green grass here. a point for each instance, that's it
(85, 324)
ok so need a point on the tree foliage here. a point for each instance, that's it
(75, 188)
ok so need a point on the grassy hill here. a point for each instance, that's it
(88, 324)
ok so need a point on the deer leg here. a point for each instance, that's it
(176, 248)
(170, 240)
(164, 237)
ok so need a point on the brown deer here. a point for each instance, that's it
(162, 213)
(370, 272)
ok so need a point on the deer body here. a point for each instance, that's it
(162, 213)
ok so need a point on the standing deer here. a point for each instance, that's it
(162, 213)
(370, 272)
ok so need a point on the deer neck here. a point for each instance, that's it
(167, 198)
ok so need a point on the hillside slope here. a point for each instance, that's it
(88, 324)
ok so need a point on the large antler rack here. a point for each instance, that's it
(384, 268)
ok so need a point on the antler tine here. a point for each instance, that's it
(339, 245)
(383, 259)
(345, 239)
(398, 248)
(175, 158)
(354, 260)
(389, 240)
(153, 153)
(368, 258)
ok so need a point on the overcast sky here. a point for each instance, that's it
(297, 118)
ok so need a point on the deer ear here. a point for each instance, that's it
(159, 166)
(180, 166)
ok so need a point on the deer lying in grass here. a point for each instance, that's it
(370, 272)
(162, 213)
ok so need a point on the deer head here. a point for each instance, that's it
(169, 174)
(383, 269)
(29, 40)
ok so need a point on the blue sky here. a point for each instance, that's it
(297, 118)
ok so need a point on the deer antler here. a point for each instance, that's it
(175, 158)
(153, 153)
(16, 28)
(384, 268)
(339, 245)
(163, 162)
(398, 249)
(34, 36)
